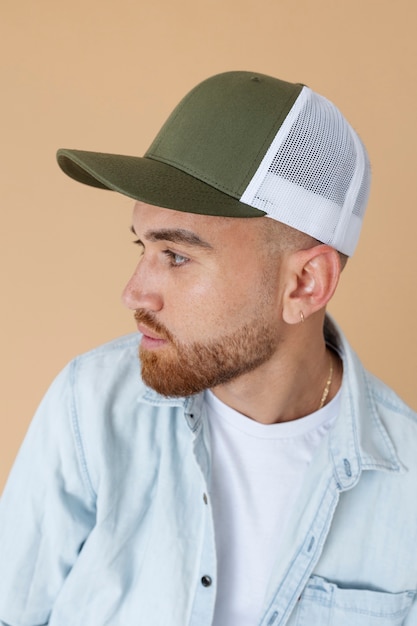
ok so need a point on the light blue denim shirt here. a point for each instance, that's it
(106, 517)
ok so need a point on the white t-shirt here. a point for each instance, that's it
(257, 472)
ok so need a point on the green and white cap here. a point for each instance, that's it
(242, 144)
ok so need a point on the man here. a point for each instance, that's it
(250, 471)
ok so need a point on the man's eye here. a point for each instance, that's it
(175, 259)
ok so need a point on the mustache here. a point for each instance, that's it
(148, 319)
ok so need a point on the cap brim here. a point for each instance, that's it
(151, 181)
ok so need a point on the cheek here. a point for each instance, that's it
(207, 304)
(221, 307)
(205, 309)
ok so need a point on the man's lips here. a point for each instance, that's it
(147, 332)
(150, 339)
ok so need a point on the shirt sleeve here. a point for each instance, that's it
(47, 510)
(412, 616)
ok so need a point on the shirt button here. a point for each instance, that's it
(205, 499)
(206, 581)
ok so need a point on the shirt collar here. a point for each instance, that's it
(359, 440)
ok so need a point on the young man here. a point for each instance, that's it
(245, 469)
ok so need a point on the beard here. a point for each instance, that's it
(179, 369)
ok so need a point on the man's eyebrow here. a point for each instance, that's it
(176, 235)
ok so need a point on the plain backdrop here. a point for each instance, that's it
(103, 75)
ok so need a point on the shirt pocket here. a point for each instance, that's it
(323, 603)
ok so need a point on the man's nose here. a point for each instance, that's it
(141, 292)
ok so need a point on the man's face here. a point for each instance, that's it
(206, 298)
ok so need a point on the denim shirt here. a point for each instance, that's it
(106, 516)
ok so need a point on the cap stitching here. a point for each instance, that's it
(172, 117)
(273, 131)
(247, 176)
(194, 173)
(206, 179)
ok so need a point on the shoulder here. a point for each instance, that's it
(388, 400)
(361, 383)
(386, 426)
(399, 420)
(117, 351)
(112, 425)
(111, 367)
(93, 390)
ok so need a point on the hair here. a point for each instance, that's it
(283, 238)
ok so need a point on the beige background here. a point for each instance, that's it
(103, 75)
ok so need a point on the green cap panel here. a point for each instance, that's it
(220, 131)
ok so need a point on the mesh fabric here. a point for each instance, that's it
(315, 175)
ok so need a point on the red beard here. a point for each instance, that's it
(184, 369)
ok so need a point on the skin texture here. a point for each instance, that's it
(218, 301)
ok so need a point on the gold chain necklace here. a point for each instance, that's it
(327, 387)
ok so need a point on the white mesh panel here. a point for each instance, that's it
(315, 175)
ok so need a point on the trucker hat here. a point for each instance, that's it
(243, 144)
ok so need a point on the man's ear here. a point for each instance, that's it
(311, 279)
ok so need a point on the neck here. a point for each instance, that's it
(291, 384)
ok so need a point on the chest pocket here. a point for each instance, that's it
(323, 603)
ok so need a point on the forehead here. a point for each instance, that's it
(212, 229)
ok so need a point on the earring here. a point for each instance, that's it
(301, 317)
